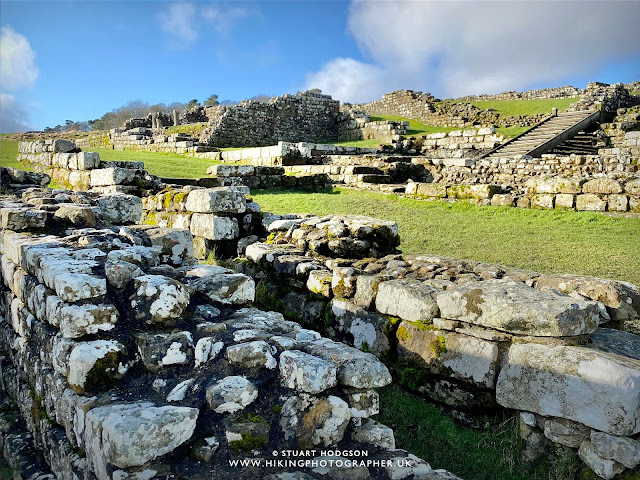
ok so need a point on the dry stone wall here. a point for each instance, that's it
(540, 94)
(469, 335)
(354, 125)
(123, 358)
(306, 116)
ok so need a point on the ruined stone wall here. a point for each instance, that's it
(540, 94)
(306, 116)
(460, 143)
(123, 358)
(608, 98)
(63, 161)
(433, 321)
(353, 125)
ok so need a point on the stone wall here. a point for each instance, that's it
(540, 94)
(469, 335)
(353, 125)
(460, 143)
(608, 98)
(123, 358)
(306, 116)
(63, 161)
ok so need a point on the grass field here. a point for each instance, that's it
(524, 107)
(546, 241)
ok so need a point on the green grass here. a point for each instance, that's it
(492, 454)
(545, 241)
(192, 129)
(416, 128)
(9, 153)
(524, 107)
(510, 132)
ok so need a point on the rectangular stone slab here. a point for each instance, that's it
(516, 308)
(598, 389)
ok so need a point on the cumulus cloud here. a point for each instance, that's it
(179, 22)
(348, 80)
(13, 115)
(183, 21)
(458, 48)
(17, 60)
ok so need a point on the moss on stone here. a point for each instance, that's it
(248, 443)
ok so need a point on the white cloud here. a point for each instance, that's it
(183, 21)
(348, 80)
(179, 21)
(17, 60)
(458, 48)
(13, 115)
(223, 20)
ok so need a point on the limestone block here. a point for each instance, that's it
(565, 432)
(80, 179)
(251, 354)
(621, 449)
(606, 469)
(373, 433)
(213, 227)
(111, 176)
(602, 185)
(119, 209)
(543, 201)
(632, 187)
(594, 388)
(308, 421)
(161, 350)
(473, 191)
(408, 299)
(176, 245)
(92, 364)
(432, 190)
(73, 287)
(157, 299)
(306, 373)
(216, 200)
(231, 170)
(355, 368)
(515, 308)
(87, 160)
(21, 219)
(78, 320)
(502, 200)
(80, 216)
(363, 403)
(461, 357)
(634, 204)
(120, 273)
(264, 253)
(368, 329)
(565, 201)
(319, 282)
(132, 434)
(551, 185)
(63, 146)
(207, 349)
(226, 288)
(591, 202)
(231, 394)
(343, 282)
(618, 203)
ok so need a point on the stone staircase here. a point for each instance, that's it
(584, 143)
(547, 135)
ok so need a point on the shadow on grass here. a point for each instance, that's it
(326, 191)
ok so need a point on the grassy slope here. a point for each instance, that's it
(524, 107)
(545, 241)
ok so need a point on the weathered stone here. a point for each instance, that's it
(178, 392)
(431, 190)
(543, 201)
(355, 368)
(367, 289)
(223, 287)
(76, 215)
(215, 200)
(590, 202)
(319, 282)
(565, 201)
(632, 187)
(363, 403)
(207, 349)
(231, 394)
(473, 191)
(368, 329)
(515, 308)
(573, 383)
(306, 373)
(251, 354)
(308, 421)
(111, 176)
(213, 227)
(130, 435)
(408, 299)
(264, 253)
(374, 433)
(78, 320)
(157, 299)
(620, 449)
(119, 209)
(502, 200)
(73, 287)
(93, 364)
(606, 469)
(602, 185)
(565, 432)
(618, 203)
(162, 350)
(343, 282)
(19, 219)
(444, 353)
(120, 273)
(551, 185)
(63, 146)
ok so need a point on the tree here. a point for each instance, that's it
(193, 104)
(212, 101)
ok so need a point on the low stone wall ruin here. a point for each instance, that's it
(539, 94)
(123, 358)
(469, 335)
(354, 125)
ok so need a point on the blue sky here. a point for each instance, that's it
(77, 60)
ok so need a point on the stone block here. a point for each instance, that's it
(63, 146)
(306, 373)
(408, 299)
(231, 394)
(552, 185)
(432, 190)
(22, 219)
(157, 299)
(591, 202)
(618, 203)
(216, 200)
(473, 191)
(111, 176)
(543, 201)
(565, 201)
(78, 320)
(119, 209)
(602, 185)
(213, 227)
(160, 350)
